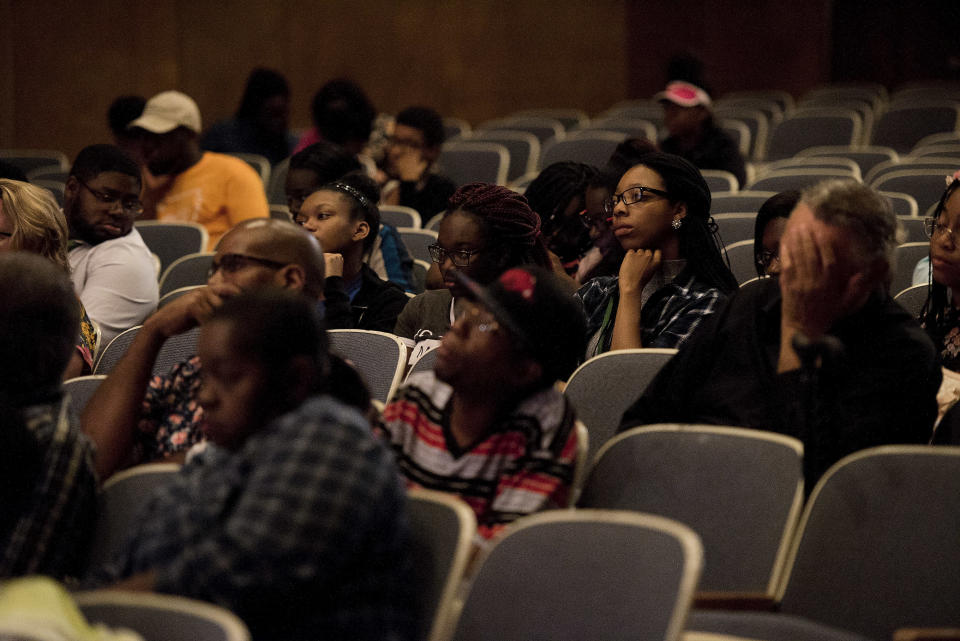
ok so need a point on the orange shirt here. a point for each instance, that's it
(218, 192)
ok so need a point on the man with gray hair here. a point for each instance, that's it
(821, 353)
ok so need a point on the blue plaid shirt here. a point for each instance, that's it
(669, 317)
(302, 532)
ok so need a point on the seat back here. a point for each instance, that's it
(467, 162)
(742, 260)
(756, 122)
(739, 133)
(80, 390)
(740, 202)
(906, 257)
(170, 241)
(913, 228)
(379, 357)
(720, 181)
(741, 490)
(442, 528)
(568, 118)
(29, 160)
(605, 386)
(174, 294)
(814, 128)
(542, 128)
(400, 216)
(799, 178)
(877, 547)
(259, 163)
(584, 574)
(418, 276)
(925, 185)
(123, 497)
(161, 617)
(734, 228)
(423, 364)
(631, 127)
(912, 298)
(523, 147)
(175, 349)
(276, 194)
(589, 146)
(866, 157)
(186, 271)
(417, 241)
(903, 204)
(903, 125)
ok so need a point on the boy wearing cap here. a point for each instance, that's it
(693, 133)
(487, 423)
(185, 184)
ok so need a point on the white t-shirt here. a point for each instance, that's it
(116, 282)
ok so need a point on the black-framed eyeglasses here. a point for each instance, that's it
(232, 263)
(130, 206)
(766, 258)
(631, 196)
(932, 228)
(459, 257)
(591, 222)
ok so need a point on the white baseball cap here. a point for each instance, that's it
(168, 110)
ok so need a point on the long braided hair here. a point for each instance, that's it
(935, 307)
(550, 194)
(511, 228)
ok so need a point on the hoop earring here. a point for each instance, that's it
(676, 224)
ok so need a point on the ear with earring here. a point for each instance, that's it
(676, 223)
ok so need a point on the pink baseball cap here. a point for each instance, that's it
(684, 94)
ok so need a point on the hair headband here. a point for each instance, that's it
(351, 191)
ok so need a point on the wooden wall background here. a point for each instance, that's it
(64, 61)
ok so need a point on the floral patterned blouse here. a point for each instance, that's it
(946, 338)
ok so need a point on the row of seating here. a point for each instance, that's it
(672, 509)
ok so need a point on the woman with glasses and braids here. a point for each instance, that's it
(672, 274)
(487, 229)
(940, 315)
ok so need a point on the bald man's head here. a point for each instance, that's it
(283, 242)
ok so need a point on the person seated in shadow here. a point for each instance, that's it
(693, 133)
(821, 353)
(344, 217)
(113, 271)
(30, 220)
(768, 229)
(558, 194)
(487, 423)
(672, 275)
(260, 125)
(137, 417)
(412, 149)
(48, 494)
(122, 111)
(486, 230)
(343, 115)
(293, 517)
(323, 163)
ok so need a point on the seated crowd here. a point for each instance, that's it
(290, 498)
